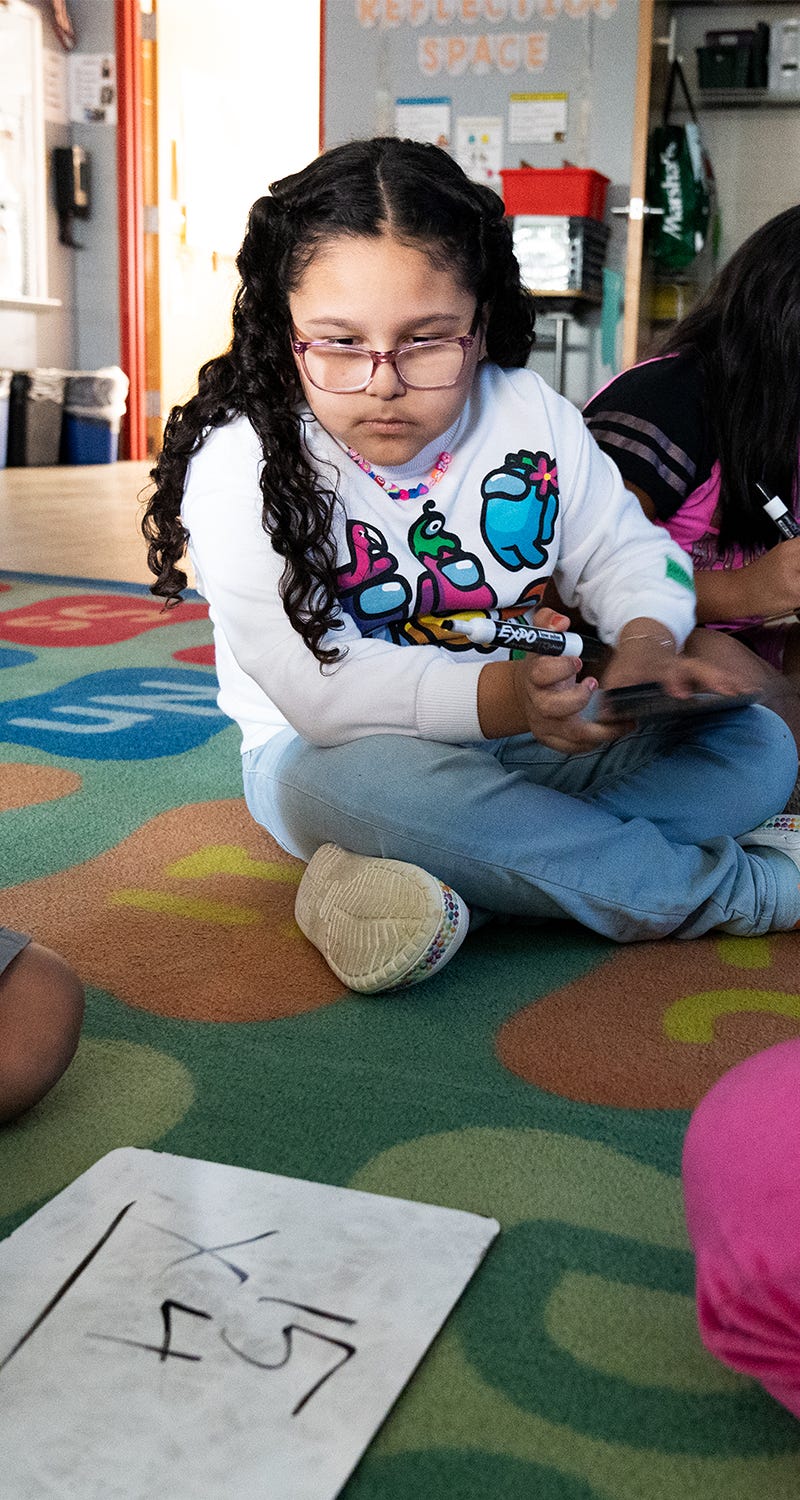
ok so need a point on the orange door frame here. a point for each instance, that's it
(130, 197)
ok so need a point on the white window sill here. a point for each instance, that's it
(28, 304)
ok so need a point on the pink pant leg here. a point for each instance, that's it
(741, 1180)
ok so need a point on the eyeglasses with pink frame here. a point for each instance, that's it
(386, 357)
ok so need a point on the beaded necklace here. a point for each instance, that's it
(394, 492)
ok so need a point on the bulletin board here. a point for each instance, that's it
(498, 82)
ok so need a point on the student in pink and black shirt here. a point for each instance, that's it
(695, 430)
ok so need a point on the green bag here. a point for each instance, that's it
(679, 184)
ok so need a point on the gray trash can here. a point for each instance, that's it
(35, 411)
(5, 399)
(94, 403)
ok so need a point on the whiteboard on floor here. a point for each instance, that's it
(180, 1328)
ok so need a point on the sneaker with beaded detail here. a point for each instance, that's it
(380, 924)
(781, 833)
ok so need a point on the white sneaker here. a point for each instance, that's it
(379, 924)
(781, 833)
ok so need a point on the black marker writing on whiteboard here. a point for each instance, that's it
(514, 635)
(778, 512)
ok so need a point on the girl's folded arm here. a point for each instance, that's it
(614, 564)
(379, 687)
(722, 593)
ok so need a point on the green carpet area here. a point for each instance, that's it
(545, 1077)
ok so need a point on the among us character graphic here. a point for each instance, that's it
(369, 587)
(452, 579)
(520, 505)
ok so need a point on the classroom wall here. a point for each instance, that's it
(96, 310)
(477, 53)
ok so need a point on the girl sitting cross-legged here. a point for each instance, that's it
(371, 460)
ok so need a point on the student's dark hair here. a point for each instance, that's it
(746, 332)
(412, 191)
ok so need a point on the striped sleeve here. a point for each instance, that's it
(650, 421)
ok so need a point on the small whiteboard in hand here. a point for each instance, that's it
(180, 1328)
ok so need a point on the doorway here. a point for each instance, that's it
(229, 103)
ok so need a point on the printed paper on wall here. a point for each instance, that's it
(537, 117)
(479, 148)
(423, 120)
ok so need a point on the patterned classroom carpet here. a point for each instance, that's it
(544, 1078)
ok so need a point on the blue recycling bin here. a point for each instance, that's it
(94, 404)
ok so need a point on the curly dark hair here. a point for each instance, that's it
(746, 332)
(368, 188)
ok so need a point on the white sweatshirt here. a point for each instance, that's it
(528, 495)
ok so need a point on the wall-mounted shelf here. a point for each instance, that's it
(745, 99)
(565, 298)
(28, 304)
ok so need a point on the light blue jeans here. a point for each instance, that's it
(635, 841)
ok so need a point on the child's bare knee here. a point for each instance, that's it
(41, 1010)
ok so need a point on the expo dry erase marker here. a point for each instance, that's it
(778, 512)
(524, 637)
(783, 518)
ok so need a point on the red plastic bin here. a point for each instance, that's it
(554, 190)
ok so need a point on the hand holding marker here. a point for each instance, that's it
(777, 512)
(783, 518)
(640, 701)
(511, 633)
